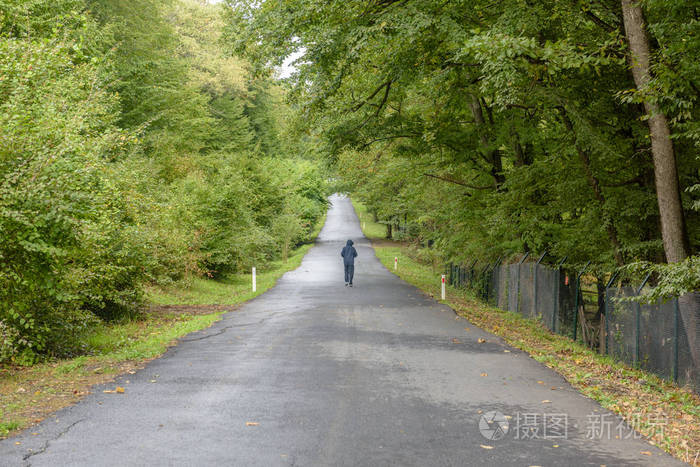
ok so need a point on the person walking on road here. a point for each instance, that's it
(349, 254)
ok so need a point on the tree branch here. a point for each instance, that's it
(359, 105)
(457, 182)
(600, 22)
(384, 138)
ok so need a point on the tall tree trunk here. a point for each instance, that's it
(494, 156)
(673, 232)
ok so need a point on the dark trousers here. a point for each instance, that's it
(349, 272)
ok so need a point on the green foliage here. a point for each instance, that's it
(132, 150)
(675, 280)
(493, 128)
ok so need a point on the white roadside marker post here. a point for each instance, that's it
(396, 263)
(443, 287)
(255, 285)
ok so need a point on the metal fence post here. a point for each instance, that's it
(517, 287)
(497, 280)
(470, 273)
(578, 286)
(608, 312)
(486, 282)
(676, 313)
(555, 313)
(638, 321)
(534, 285)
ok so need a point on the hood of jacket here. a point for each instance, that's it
(349, 243)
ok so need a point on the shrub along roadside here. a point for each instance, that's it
(31, 393)
(231, 289)
(134, 150)
(633, 394)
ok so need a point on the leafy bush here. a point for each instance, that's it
(123, 161)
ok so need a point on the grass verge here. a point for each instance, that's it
(667, 415)
(29, 394)
(229, 290)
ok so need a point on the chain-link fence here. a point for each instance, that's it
(663, 338)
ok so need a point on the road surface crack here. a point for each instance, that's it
(48, 442)
(218, 333)
(226, 328)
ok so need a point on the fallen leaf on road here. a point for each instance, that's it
(456, 317)
(646, 453)
(120, 390)
(481, 341)
(251, 424)
(17, 442)
(486, 447)
(546, 401)
(507, 351)
(555, 446)
(456, 341)
(540, 382)
(109, 391)
(484, 374)
(466, 329)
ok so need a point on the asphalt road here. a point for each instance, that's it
(314, 373)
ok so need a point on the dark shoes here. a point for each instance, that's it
(350, 284)
(346, 284)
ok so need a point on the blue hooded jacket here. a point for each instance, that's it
(349, 253)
